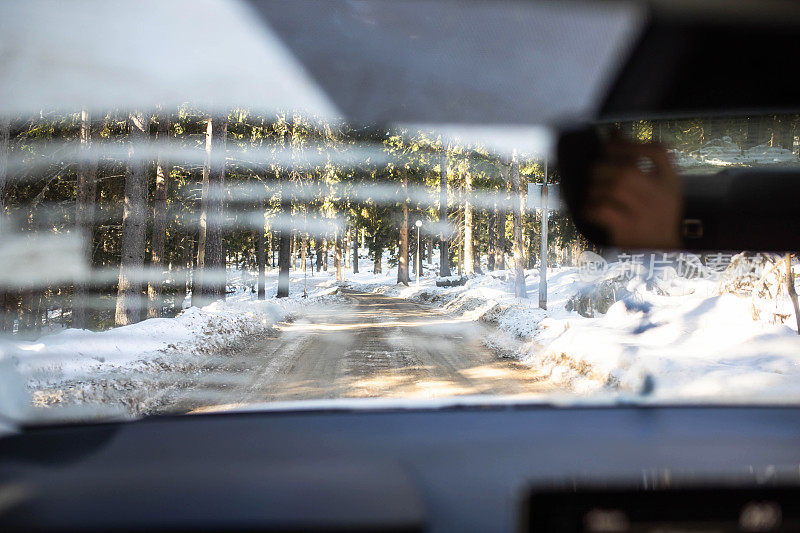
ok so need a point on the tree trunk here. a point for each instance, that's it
(303, 244)
(299, 242)
(402, 259)
(84, 219)
(444, 249)
(11, 307)
(753, 132)
(712, 129)
(519, 260)
(195, 242)
(261, 258)
(500, 229)
(459, 244)
(786, 134)
(355, 250)
(469, 254)
(199, 297)
(5, 138)
(163, 169)
(769, 127)
(215, 241)
(211, 277)
(269, 241)
(414, 255)
(347, 247)
(530, 246)
(134, 224)
(412, 258)
(7, 300)
(338, 255)
(23, 324)
(476, 243)
(377, 267)
(39, 310)
(318, 247)
(187, 254)
(284, 258)
(795, 128)
(285, 245)
(429, 242)
(490, 247)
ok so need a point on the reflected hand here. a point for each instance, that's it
(636, 195)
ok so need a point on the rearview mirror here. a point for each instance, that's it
(733, 209)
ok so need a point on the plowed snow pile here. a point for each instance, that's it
(134, 366)
(682, 340)
(724, 152)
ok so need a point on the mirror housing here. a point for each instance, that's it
(741, 208)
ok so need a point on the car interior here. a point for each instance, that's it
(615, 464)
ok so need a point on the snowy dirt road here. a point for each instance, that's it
(367, 345)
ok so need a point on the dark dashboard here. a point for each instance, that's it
(462, 469)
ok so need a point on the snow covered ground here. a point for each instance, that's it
(724, 153)
(675, 340)
(130, 363)
(683, 340)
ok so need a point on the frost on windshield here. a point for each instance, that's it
(178, 261)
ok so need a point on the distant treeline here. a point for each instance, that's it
(168, 200)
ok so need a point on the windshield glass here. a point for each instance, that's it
(176, 261)
(190, 225)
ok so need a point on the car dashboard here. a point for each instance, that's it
(514, 468)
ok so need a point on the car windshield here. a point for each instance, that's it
(198, 257)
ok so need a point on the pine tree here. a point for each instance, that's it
(163, 170)
(84, 217)
(7, 299)
(500, 225)
(338, 254)
(519, 260)
(284, 246)
(261, 256)
(134, 224)
(5, 135)
(210, 277)
(444, 249)
(469, 254)
(199, 291)
(355, 249)
(215, 242)
(402, 260)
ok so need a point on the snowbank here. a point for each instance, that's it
(673, 341)
(724, 152)
(88, 363)
(676, 349)
(74, 353)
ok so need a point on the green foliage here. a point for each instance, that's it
(321, 171)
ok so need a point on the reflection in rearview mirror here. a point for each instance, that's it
(639, 193)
